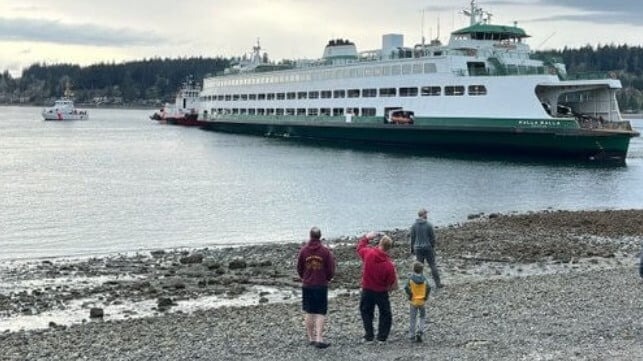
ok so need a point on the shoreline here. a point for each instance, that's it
(484, 262)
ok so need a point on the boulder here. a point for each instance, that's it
(96, 312)
(191, 259)
(237, 263)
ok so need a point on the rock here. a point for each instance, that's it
(158, 253)
(192, 259)
(96, 312)
(237, 263)
(211, 264)
(263, 300)
(52, 324)
(164, 303)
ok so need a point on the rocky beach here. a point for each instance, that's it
(551, 285)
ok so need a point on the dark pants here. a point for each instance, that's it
(367, 304)
(429, 255)
(641, 264)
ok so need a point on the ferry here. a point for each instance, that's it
(484, 91)
(184, 111)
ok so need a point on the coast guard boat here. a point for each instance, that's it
(64, 109)
(484, 91)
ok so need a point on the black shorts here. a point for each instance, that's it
(314, 300)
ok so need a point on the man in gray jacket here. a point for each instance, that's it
(423, 243)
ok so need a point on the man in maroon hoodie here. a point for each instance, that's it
(316, 267)
(378, 278)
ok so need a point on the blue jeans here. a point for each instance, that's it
(428, 254)
(417, 313)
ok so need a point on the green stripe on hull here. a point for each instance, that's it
(478, 136)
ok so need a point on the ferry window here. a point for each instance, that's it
(312, 111)
(301, 111)
(313, 95)
(406, 68)
(302, 95)
(261, 97)
(244, 96)
(281, 96)
(251, 112)
(368, 72)
(338, 111)
(219, 97)
(353, 93)
(429, 68)
(228, 97)
(417, 68)
(431, 91)
(325, 94)
(355, 73)
(377, 71)
(235, 111)
(270, 111)
(290, 111)
(261, 111)
(368, 112)
(242, 111)
(369, 93)
(324, 111)
(354, 111)
(395, 70)
(280, 111)
(477, 90)
(454, 90)
(387, 92)
(386, 70)
(291, 95)
(227, 111)
(270, 96)
(409, 92)
(235, 97)
(252, 96)
(339, 94)
(437, 53)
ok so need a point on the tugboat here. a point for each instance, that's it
(184, 111)
(63, 109)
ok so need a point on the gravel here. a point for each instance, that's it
(552, 285)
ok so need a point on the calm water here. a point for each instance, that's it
(120, 182)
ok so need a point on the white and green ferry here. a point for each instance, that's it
(483, 91)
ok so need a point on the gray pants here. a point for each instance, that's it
(414, 312)
(428, 254)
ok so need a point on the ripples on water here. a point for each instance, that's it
(120, 182)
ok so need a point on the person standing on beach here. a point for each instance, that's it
(316, 268)
(423, 244)
(378, 279)
(641, 264)
(417, 289)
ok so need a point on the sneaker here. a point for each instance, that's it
(322, 344)
(312, 343)
(418, 338)
(368, 340)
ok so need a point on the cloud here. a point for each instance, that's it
(598, 11)
(48, 31)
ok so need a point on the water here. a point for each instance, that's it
(120, 182)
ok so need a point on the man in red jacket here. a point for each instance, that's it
(378, 278)
(316, 267)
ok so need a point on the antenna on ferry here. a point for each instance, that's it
(438, 37)
(422, 28)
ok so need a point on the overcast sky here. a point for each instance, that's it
(88, 31)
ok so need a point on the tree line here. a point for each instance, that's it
(154, 81)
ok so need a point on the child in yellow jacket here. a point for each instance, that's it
(417, 288)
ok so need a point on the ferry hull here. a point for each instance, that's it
(583, 144)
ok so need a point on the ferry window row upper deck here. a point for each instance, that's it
(329, 74)
(452, 90)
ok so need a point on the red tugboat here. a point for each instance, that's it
(184, 111)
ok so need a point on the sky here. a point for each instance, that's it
(89, 31)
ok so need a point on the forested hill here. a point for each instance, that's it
(146, 82)
(154, 81)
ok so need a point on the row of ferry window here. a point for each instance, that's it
(354, 72)
(365, 112)
(355, 93)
